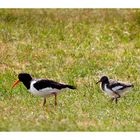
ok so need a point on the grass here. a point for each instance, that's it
(75, 46)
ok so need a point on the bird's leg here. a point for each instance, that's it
(116, 100)
(112, 99)
(44, 101)
(119, 96)
(55, 99)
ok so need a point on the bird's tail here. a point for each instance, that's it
(71, 87)
(131, 85)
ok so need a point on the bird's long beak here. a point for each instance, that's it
(98, 81)
(15, 83)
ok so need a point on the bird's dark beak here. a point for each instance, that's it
(98, 81)
(15, 83)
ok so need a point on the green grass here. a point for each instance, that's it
(75, 46)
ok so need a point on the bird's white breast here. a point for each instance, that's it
(108, 91)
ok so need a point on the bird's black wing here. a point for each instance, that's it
(44, 83)
(116, 85)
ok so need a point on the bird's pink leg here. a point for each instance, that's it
(55, 101)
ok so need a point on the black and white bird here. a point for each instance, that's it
(114, 89)
(41, 87)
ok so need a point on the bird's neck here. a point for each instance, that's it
(27, 84)
(104, 84)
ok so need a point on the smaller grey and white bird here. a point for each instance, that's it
(114, 89)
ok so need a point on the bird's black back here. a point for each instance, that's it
(44, 83)
(119, 84)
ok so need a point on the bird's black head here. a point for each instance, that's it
(103, 79)
(24, 77)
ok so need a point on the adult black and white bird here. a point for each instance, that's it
(114, 89)
(41, 87)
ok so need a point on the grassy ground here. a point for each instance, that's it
(73, 46)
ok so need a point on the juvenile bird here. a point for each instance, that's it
(114, 89)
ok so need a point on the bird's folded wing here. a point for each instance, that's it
(116, 85)
(45, 83)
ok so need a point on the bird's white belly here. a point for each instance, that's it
(43, 92)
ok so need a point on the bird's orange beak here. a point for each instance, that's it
(15, 83)
(98, 82)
